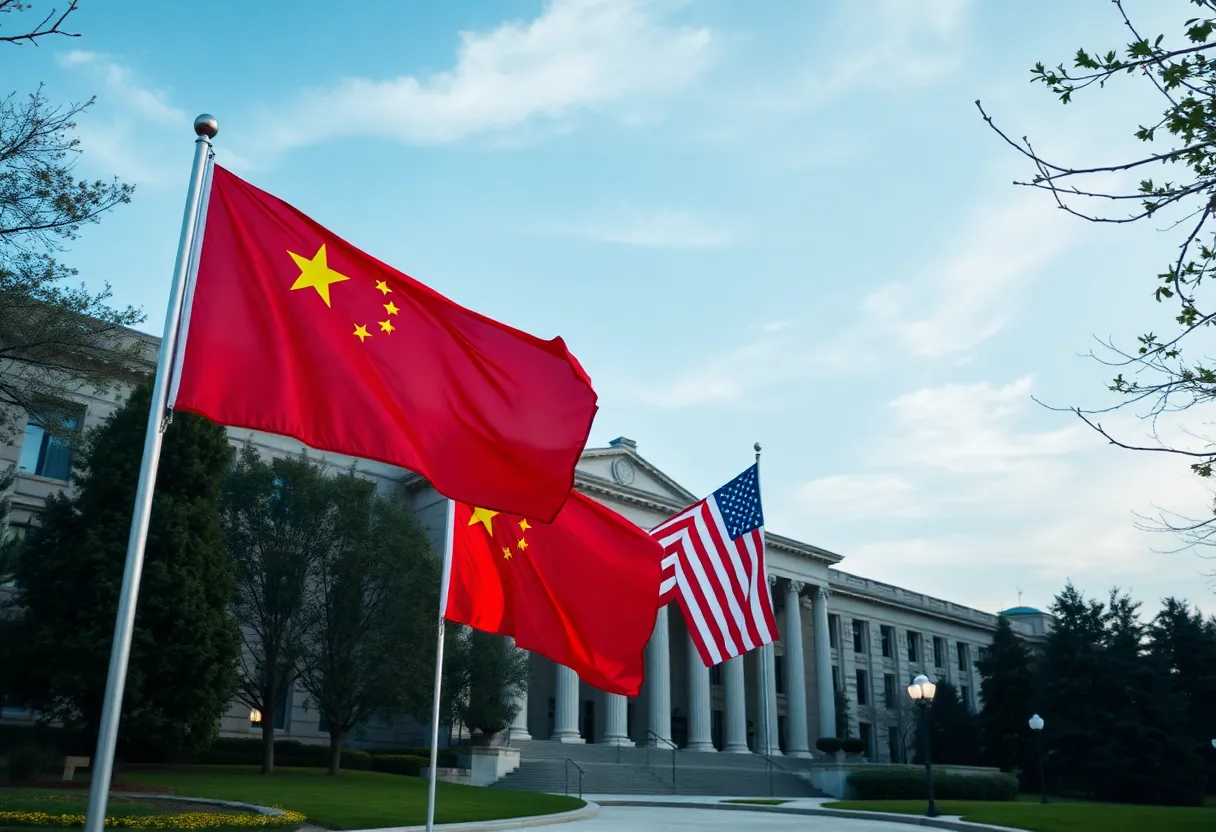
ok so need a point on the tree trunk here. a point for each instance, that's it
(268, 742)
(335, 751)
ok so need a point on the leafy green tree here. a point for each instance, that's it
(57, 338)
(1008, 692)
(1173, 370)
(497, 674)
(370, 613)
(181, 678)
(277, 517)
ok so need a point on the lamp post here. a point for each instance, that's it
(922, 692)
(1036, 725)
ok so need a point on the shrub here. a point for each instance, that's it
(411, 765)
(908, 783)
(852, 745)
(356, 760)
(27, 763)
(828, 745)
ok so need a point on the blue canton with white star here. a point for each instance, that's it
(739, 503)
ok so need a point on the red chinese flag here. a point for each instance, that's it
(294, 331)
(582, 590)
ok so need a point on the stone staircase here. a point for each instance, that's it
(555, 768)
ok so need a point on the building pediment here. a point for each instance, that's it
(621, 466)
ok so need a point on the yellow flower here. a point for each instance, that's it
(189, 820)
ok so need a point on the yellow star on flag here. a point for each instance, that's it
(386, 326)
(316, 274)
(485, 517)
(523, 544)
(391, 308)
(523, 525)
(362, 332)
(383, 287)
(506, 552)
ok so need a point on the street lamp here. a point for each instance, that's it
(922, 692)
(1036, 725)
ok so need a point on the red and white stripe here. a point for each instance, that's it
(721, 584)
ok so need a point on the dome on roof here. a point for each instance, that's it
(1021, 611)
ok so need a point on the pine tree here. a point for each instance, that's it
(953, 730)
(1008, 693)
(180, 677)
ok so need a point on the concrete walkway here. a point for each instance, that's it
(658, 819)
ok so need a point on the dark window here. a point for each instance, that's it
(939, 651)
(833, 626)
(44, 454)
(835, 677)
(913, 646)
(323, 724)
(781, 734)
(859, 636)
(893, 743)
(863, 695)
(280, 714)
(888, 642)
(779, 672)
(715, 675)
(715, 729)
(965, 692)
(964, 657)
(982, 654)
(867, 737)
(888, 689)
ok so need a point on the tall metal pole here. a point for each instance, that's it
(1038, 739)
(927, 728)
(205, 127)
(762, 657)
(445, 580)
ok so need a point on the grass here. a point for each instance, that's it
(357, 799)
(1027, 813)
(58, 803)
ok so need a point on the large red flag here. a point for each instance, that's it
(582, 590)
(294, 331)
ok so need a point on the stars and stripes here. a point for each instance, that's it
(714, 565)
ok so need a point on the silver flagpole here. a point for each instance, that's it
(205, 127)
(445, 580)
(762, 664)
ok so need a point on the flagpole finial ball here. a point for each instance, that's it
(756, 447)
(206, 125)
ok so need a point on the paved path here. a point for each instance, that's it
(656, 819)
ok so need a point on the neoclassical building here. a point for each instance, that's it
(840, 634)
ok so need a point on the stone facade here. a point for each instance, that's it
(838, 631)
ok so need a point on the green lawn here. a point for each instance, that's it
(62, 803)
(1056, 817)
(357, 799)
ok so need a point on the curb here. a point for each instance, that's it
(908, 820)
(229, 804)
(588, 811)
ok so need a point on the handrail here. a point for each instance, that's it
(769, 766)
(671, 745)
(569, 763)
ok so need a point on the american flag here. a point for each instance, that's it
(714, 565)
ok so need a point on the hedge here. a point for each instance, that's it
(852, 745)
(828, 745)
(447, 756)
(908, 783)
(248, 751)
(410, 765)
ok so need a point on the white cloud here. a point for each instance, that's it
(656, 229)
(970, 295)
(122, 84)
(859, 496)
(578, 55)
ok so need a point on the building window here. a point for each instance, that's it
(863, 695)
(715, 730)
(965, 692)
(833, 627)
(859, 636)
(964, 657)
(982, 654)
(893, 743)
(280, 715)
(888, 642)
(867, 737)
(835, 677)
(888, 689)
(939, 652)
(715, 675)
(44, 454)
(913, 647)
(779, 672)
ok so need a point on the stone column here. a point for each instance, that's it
(700, 735)
(795, 672)
(518, 730)
(658, 677)
(565, 723)
(825, 692)
(736, 706)
(616, 719)
(767, 739)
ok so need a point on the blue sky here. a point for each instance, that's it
(779, 221)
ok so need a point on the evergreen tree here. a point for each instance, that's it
(370, 613)
(1185, 644)
(180, 677)
(1008, 692)
(953, 731)
(497, 674)
(277, 516)
(842, 713)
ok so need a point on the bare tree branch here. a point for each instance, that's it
(54, 19)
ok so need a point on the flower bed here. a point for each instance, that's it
(188, 820)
